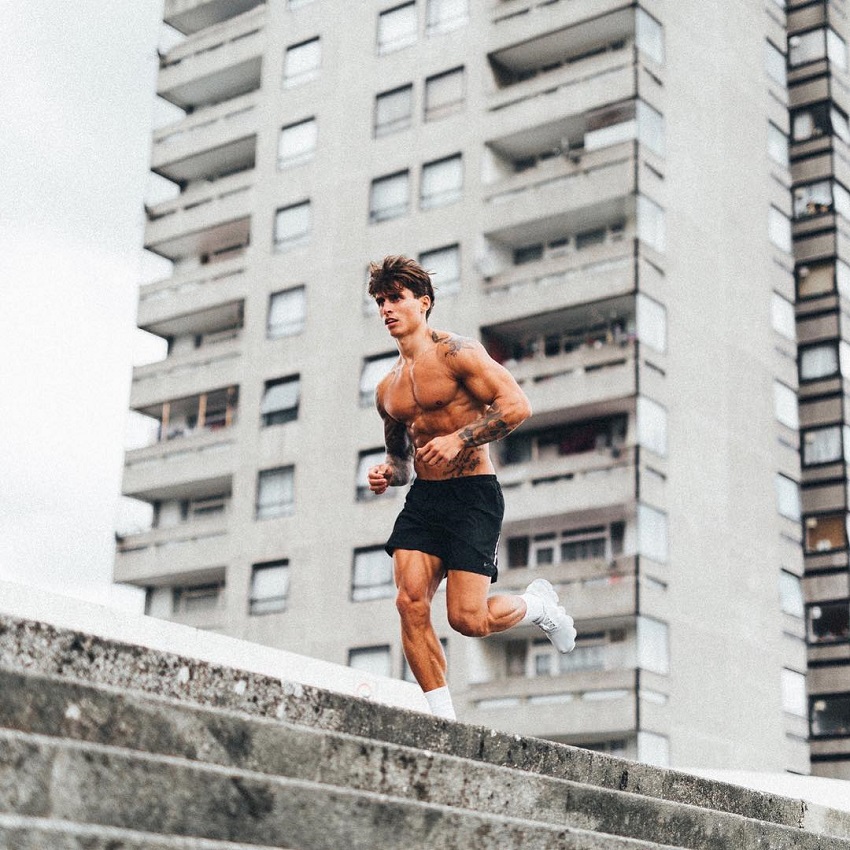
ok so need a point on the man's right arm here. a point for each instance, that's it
(396, 470)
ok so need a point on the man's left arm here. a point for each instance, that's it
(491, 384)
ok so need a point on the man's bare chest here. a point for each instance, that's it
(417, 389)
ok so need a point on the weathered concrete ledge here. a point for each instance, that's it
(43, 649)
(195, 648)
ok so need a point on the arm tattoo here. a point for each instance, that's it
(488, 428)
(399, 451)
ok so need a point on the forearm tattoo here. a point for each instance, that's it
(399, 451)
(488, 428)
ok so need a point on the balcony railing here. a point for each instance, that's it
(597, 71)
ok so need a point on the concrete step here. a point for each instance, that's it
(202, 720)
(478, 772)
(357, 786)
(18, 832)
(163, 796)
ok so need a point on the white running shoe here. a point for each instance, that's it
(555, 622)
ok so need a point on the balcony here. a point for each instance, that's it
(597, 589)
(593, 273)
(204, 220)
(214, 141)
(182, 375)
(562, 196)
(567, 485)
(571, 706)
(218, 64)
(191, 16)
(170, 307)
(181, 468)
(164, 553)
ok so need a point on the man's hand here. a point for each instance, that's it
(379, 478)
(440, 450)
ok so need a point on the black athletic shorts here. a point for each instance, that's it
(459, 520)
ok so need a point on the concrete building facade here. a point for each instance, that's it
(602, 190)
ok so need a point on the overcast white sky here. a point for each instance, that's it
(76, 99)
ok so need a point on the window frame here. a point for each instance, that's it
(274, 510)
(388, 213)
(284, 599)
(290, 414)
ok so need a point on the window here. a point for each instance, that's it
(652, 533)
(782, 316)
(365, 460)
(374, 660)
(269, 587)
(815, 279)
(393, 110)
(287, 312)
(442, 182)
(302, 62)
(829, 622)
(836, 49)
(280, 401)
(806, 47)
(594, 543)
(785, 405)
(812, 199)
(825, 533)
(649, 37)
(573, 438)
(779, 229)
(397, 28)
(650, 223)
(794, 692)
(297, 143)
(445, 15)
(818, 361)
(650, 124)
(652, 323)
(443, 264)
(774, 60)
(788, 497)
(653, 651)
(444, 94)
(652, 426)
(295, 4)
(830, 715)
(389, 197)
(292, 226)
(791, 594)
(197, 599)
(374, 369)
(372, 575)
(821, 445)
(275, 492)
(810, 122)
(777, 144)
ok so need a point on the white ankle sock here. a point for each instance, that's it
(533, 608)
(440, 703)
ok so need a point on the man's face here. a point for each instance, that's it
(402, 311)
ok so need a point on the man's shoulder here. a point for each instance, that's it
(452, 345)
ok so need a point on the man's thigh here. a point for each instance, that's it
(466, 593)
(418, 574)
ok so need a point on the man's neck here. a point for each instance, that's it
(410, 347)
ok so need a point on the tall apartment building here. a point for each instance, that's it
(819, 96)
(602, 189)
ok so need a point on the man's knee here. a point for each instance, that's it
(469, 623)
(414, 610)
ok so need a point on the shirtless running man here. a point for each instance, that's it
(442, 403)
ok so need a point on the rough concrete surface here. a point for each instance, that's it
(190, 747)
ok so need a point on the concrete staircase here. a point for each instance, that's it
(106, 745)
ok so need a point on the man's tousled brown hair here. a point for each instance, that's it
(395, 273)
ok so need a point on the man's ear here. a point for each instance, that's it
(425, 301)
